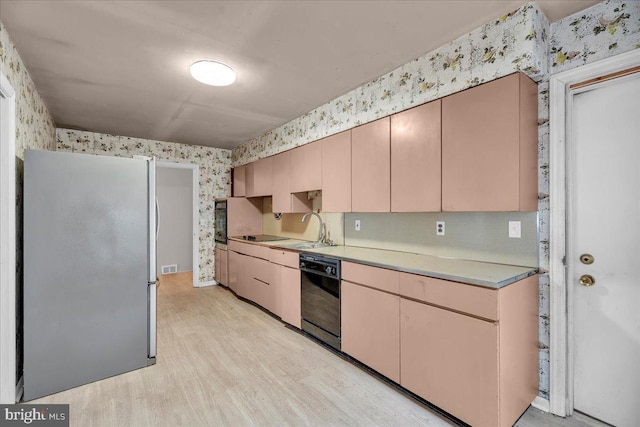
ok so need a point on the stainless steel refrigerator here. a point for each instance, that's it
(89, 269)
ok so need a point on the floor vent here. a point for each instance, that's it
(170, 269)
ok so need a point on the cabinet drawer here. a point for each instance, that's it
(474, 300)
(249, 249)
(286, 258)
(234, 246)
(374, 277)
(261, 270)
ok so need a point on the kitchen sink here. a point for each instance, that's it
(305, 245)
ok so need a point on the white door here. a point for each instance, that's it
(604, 222)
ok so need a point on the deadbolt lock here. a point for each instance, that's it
(587, 259)
(587, 280)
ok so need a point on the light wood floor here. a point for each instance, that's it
(222, 361)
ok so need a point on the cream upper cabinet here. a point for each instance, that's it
(336, 172)
(305, 165)
(416, 159)
(284, 201)
(281, 201)
(489, 147)
(258, 177)
(239, 181)
(371, 167)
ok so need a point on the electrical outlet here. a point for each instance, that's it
(439, 228)
(515, 231)
(357, 225)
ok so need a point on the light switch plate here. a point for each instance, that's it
(515, 231)
(439, 228)
(357, 225)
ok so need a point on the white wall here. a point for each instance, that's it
(174, 189)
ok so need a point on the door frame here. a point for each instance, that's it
(7, 242)
(195, 173)
(561, 296)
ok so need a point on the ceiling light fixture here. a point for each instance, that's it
(213, 73)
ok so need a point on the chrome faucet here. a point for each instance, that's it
(321, 232)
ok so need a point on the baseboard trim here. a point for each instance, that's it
(209, 283)
(541, 403)
(20, 389)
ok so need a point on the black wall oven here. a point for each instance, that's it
(320, 298)
(220, 225)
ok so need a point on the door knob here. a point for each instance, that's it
(587, 280)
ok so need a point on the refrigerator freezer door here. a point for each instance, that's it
(86, 243)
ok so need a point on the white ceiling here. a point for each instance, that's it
(123, 67)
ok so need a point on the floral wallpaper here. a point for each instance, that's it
(214, 164)
(509, 43)
(34, 129)
(604, 30)
(523, 40)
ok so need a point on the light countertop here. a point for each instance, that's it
(478, 273)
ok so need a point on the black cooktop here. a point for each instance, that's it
(263, 238)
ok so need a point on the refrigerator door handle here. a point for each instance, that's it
(157, 218)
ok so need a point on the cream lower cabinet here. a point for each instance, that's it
(221, 266)
(371, 328)
(285, 277)
(290, 296)
(451, 360)
(250, 273)
(239, 265)
(268, 277)
(470, 350)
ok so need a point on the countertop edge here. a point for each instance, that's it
(460, 279)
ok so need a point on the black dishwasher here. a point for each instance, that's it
(320, 298)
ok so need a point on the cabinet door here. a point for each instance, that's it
(371, 328)
(281, 201)
(216, 265)
(262, 177)
(371, 167)
(336, 173)
(416, 159)
(290, 296)
(237, 267)
(275, 280)
(239, 180)
(488, 142)
(244, 216)
(451, 360)
(224, 267)
(306, 168)
(221, 267)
